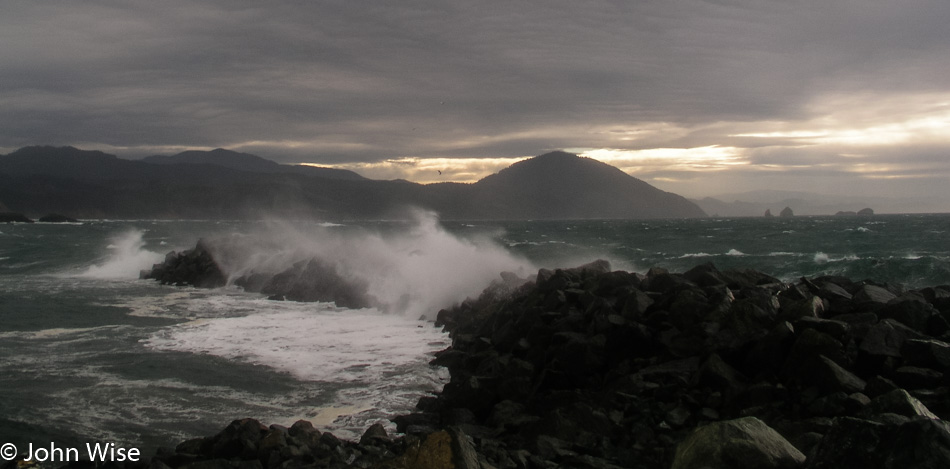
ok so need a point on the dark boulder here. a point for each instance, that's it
(317, 280)
(196, 267)
(857, 443)
(737, 444)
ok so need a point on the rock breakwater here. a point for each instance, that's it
(594, 368)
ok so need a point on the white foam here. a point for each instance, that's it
(310, 341)
(696, 254)
(735, 252)
(128, 257)
(822, 258)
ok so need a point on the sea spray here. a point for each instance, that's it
(414, 270)
(127, 257)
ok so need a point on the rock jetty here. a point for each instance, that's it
(594, 368)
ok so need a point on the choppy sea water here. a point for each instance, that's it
(90, 353)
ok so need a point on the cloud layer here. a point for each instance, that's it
(697, 97)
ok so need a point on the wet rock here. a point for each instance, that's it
(851, 443)
(898, 402)
(375, 434)
(913, 314)
(196, 267)
(926, 352)
(914, 377)
(740, 443)
(873, 294)
(828, 376)
(857, 443)
(316, 280)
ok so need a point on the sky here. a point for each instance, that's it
(695, 97)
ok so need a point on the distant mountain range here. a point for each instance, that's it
(248, 162)
(223, 184)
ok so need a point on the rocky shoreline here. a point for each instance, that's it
(594, 368)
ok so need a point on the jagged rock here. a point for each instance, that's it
(375, 434)
(915, 377)
(316, 280)
(238, 440)
(828, 376)
(786, 212)
(898, 402)
(806, 354)
(857, 443)
(873, 294)
(913, 314)
(719, 375)
(851, 443)
(741, 443)
(434, 452)
(833, 292)
(834, 328)
(196, 267)
(813, 307)
(886, 339)
(927, 352)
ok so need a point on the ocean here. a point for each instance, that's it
(90, 353)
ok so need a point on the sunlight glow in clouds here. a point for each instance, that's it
(708, 158)
(427, 170)
(863, 120)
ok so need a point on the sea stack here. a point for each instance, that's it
(787, 212)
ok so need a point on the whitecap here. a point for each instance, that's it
(735, 252)
(696, 254)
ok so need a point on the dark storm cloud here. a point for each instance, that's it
(346, 82)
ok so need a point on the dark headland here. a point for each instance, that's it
(594, 368)
(223, 184)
